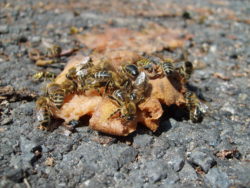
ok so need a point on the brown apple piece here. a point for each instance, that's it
(101, 108)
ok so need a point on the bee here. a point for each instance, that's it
(140, 88)
(127, 109)
(71, 74)
(119, 96)
(56, 94)
(131, 71)
(43, 112)
(128, 73)
(98, 79)
(53, 51)
(185, 70)
(152, 68)
(168, 67)
(69, 87)
(103, 76)
(196, 109)
(84, 69)
(44, 75)
(85, 63)
(34, 54)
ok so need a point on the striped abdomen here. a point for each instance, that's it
(103, 76)
(44, 116)
(58, 98)
(167, 68)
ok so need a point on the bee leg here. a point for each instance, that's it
(115, 112)
(43, 128)
(107, 88)
(99, 92)
(71, 125)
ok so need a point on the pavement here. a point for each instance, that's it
(213, 153)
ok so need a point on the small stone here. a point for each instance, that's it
(188, 173)
(142, 140)
(4, 29)
(127, 156)
(216, 178)
(243, 96)
(227, 107)
(213, 49)
(204, 160)
(27, 108)
(35, 40)
(15, 175)
(31, 152)
(22, 39)
(172, 177)
(156, 170)
(177, 163)
(6, 121)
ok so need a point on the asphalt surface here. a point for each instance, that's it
(214, 153)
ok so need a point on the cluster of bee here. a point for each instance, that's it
(126, 87)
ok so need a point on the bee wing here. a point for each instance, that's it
(141, 79)
(40, 114)
(47, 43)
(82, 72)
(85, 60)
(203, 107)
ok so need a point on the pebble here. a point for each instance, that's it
(188, 173)
(35, 40)
(204, 160)
(156, 170)
(177, 162)
(28, 149)
(228, 107)
(216, 178)
(127, 156)
(243, 96)
(15, 175)
(4, 29)
(142, 140)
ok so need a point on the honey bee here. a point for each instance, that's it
(44, 75)
(83, 69)
(127, 109)
(43, 112)
(140, 88)
(128, 73)
(196, 109)
(98, 79)
(53, 51)
(69, 87)
(85, 63)
(131, 71)
(56, 94)
(71, 74)
(185, 70)
(152, 68)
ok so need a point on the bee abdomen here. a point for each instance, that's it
(103, 76)
(44, 117)
(132, 70)
(168, 68)
(57, 99)
(119, 95)
(196, 115)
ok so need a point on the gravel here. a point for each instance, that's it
(180, 154)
